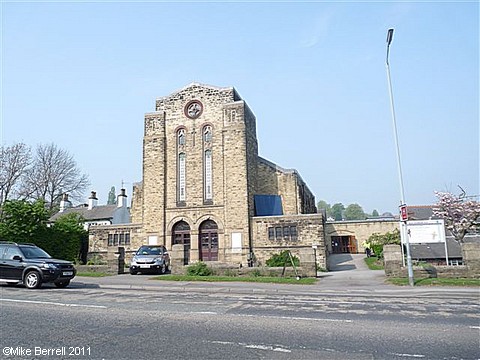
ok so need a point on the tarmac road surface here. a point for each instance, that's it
(342, 317)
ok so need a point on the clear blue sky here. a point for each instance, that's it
(82, 75)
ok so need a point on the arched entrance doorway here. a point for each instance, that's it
(208, 241)
(181, 235)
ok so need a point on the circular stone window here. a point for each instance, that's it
(193, 109)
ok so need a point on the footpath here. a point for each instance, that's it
(348, 275)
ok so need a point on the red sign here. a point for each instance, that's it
(403, 213)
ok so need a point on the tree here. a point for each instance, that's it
(460, 213)
(375, 213)
(14, 161)
(323, 205)
(111, 197)
(337, 211)
(53, 173)
(67, 238)
(22, 221)
(354, 212)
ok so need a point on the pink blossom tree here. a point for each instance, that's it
(460, 213)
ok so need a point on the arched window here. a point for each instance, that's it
(181, 177)
(208, 175)
(207, 134)
(181, 137)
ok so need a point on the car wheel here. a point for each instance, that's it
(163, 269)
(62, 284)
(32, 280)
(132, 272)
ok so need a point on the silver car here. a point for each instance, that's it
(150, 258)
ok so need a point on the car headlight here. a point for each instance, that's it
(159, 260)
(49, 266)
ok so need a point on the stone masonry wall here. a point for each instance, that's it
(98, 239)
(136, 209)
(309, 234)
(154, 174)
(232, 149)
(296, 197)
(236, 174)
(471, 257)
(360, 229)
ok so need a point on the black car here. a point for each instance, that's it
(30, 265)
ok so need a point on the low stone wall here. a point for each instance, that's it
(471, 269)
(95, 269)
(447, 272)
(308, 245)
(222, 269)
(260, 271)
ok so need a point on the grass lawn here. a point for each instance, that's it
(374, 263)
(256, 279)
(436, 282)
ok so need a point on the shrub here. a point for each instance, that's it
(230, 273)
(199, 269)
(376, 241)
(282, 259)
(256, 273)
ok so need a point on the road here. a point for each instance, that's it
(132, 317)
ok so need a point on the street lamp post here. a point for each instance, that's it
(399, 164)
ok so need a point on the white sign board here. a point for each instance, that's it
(425, 231)
(152, 240)
(236, 242)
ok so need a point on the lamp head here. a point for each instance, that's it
(389, 36)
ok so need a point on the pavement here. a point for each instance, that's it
(350, 271)
(348, 275)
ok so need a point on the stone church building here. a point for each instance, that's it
(205, 186)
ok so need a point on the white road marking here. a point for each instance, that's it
(295, 318)
(54, 303)
(205, 312)
(255, 346)
(409, 355)
(474, 327)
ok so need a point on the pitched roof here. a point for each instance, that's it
(102, 212)
(436, 250)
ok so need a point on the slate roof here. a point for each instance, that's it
(101, 212)
(436, 250)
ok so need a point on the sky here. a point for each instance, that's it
(83, 74)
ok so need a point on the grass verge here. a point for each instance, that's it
(256, 279)
(93, 274)
(374, 263)
(435, 282)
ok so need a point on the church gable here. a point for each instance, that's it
(200, 92)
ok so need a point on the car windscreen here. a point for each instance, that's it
(149, 250)
(32, 252)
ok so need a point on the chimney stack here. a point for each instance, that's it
(92, 200)
(65, 203)
(122, 199)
